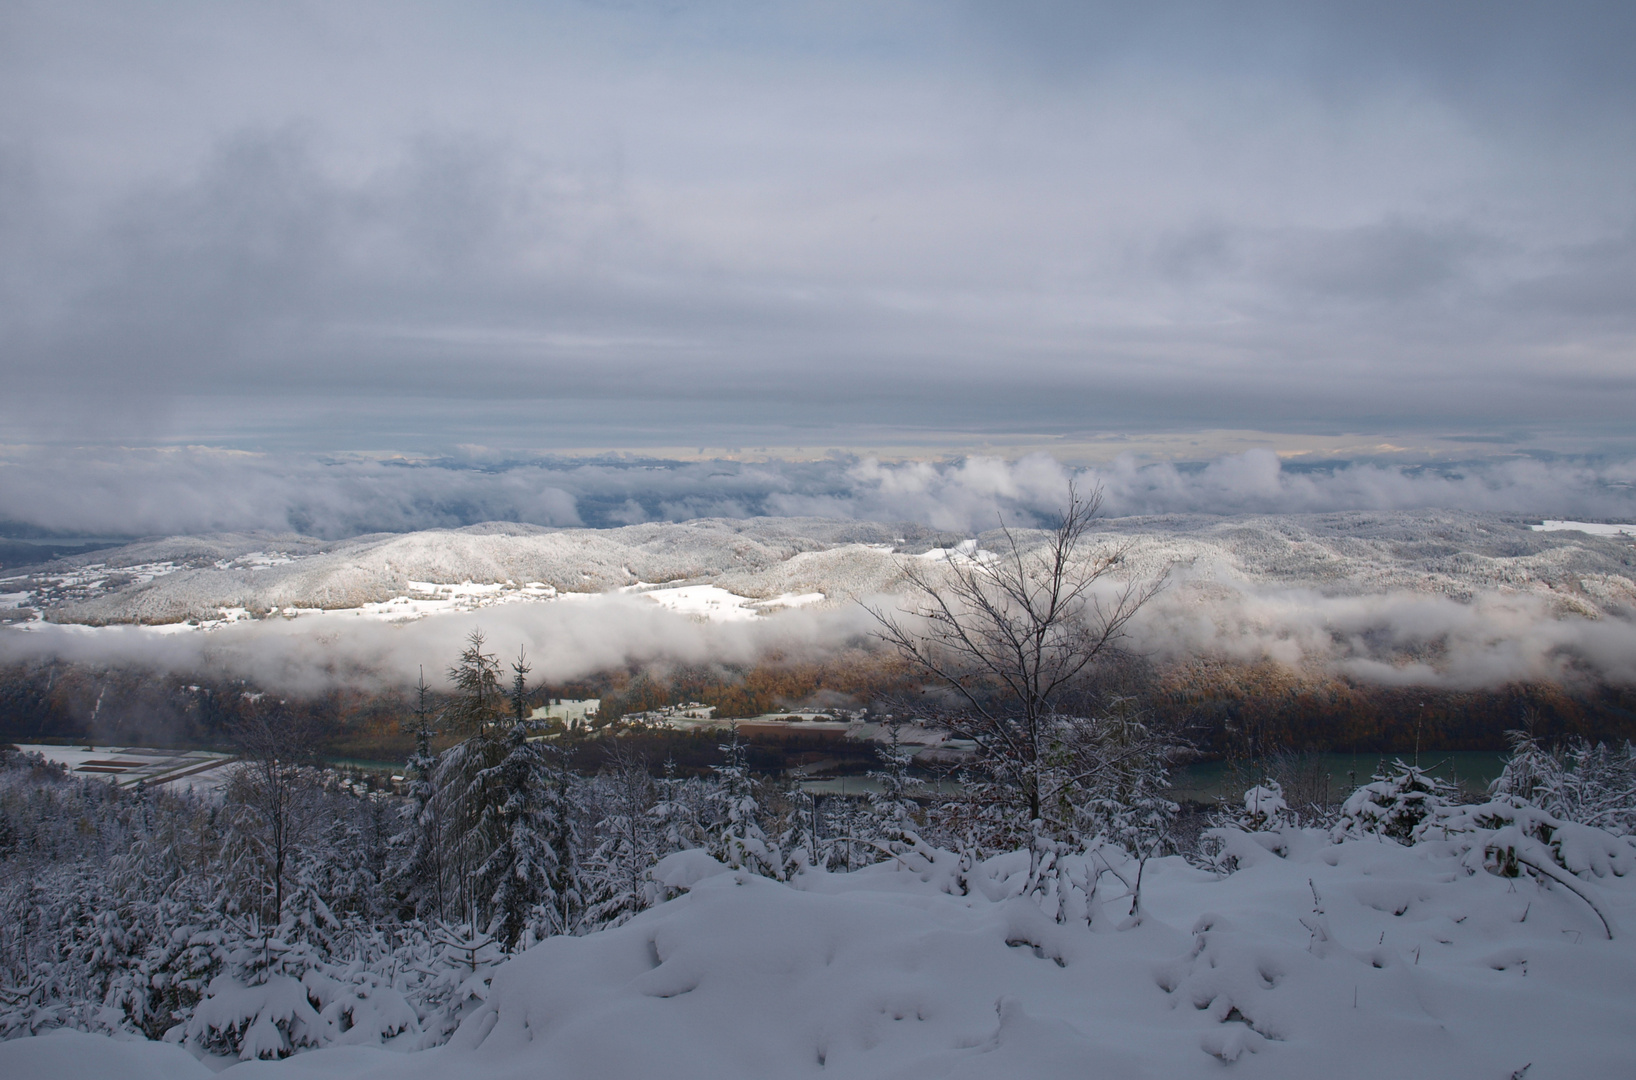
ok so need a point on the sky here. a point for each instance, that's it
(490, 233)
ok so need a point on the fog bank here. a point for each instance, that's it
(1396, 638)
(201, 490)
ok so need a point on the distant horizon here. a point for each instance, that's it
(130, 492)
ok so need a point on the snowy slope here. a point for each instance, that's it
(1452, 554)
(1362, 959)
(259, 573)
(1428, 598)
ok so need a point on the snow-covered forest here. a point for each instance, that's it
(295, 911)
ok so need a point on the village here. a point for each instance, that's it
(936, 745)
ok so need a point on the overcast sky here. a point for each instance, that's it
(409, 226)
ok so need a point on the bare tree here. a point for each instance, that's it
(268, 802)
(1010, 635)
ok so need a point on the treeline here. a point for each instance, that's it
(1252, 710)
(856, 677)
(1227, 709)
(52, 700)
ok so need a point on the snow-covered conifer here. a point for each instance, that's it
(617, 882)
(417, 871)
(1396, 804)
(1581, 782)
(1264, 809)
(1116, 773)
(517, 873)
(894, 811)
(739, 841)
(681, 811)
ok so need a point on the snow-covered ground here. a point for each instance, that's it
(1313, 959)
(1592, 527)
(183, 770)
(715, 604)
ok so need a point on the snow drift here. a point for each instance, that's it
(1314, 958)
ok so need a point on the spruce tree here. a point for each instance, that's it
(419, 871)
(617, 881)
(463, 799)
(516, 876)
(739, 841)
(892, 808)
(566, 897)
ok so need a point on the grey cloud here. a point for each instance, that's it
(199, 490)
(1593, 282)
(809, 215)
(1486, 56)
(1385, 262)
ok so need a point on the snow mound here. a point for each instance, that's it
(75, 1055)
(1352, 959)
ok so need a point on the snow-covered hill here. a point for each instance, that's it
(178, 578)
(1431, 597)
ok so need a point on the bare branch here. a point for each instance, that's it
(1007, 634)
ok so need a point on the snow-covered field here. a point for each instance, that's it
(1592, 527)
(1313, 959)
(713, 603)
(199, 771)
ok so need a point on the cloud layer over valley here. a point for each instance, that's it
(201, 490)
(1450, 600)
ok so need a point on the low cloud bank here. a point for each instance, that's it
(1399, 638)
(564, 640)
(196, 490)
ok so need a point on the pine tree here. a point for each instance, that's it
(739, 841)
(893, 810)
(1395, 804)
(417, 871)
(518, 874)
(477, 695)
(680, 812)
(1123, 774)
(565, 903)
(1264, 809)
(461, 800)
(1532, 773)
(617, 880)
